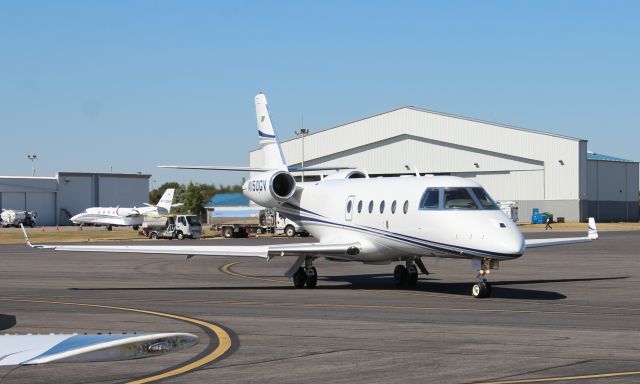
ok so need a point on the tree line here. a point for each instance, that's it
(194, 196)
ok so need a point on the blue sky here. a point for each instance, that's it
(128, 85)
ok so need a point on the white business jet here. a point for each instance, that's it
(373, 221)
(125, 217)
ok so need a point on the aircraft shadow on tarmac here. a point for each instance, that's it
(7, 321)
(501, 289)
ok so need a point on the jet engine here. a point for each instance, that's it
(347, 174)
(270, 189)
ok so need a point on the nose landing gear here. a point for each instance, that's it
(482, 288)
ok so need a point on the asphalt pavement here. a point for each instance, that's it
(561, 314)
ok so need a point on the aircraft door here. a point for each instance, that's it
(349, 207)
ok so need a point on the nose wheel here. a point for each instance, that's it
(482, 288)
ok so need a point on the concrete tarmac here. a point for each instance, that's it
(561, 314)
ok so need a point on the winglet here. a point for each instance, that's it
(593, 231)
(26, 237)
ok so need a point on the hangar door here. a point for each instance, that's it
(13, 200)
(45, 204)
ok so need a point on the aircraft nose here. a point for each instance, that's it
(508, 239)
(512, 242)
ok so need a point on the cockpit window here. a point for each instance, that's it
(483, 197)
(430, 199)
(458, 198)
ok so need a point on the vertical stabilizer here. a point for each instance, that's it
(273, 157)
(164, 205)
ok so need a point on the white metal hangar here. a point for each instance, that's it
(57, 198)
(551, 172)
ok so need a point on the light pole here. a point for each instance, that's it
(303, 132)
(33, 158)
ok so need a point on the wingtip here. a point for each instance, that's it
(26, 237)
(593, 230)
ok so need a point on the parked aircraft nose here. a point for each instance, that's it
(511, 240)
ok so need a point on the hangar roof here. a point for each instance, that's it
(601, 157)
(441, 114)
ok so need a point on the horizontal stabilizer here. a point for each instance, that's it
(318, 168)
(217, 168)
(49, 348)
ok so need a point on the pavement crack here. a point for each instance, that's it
(534, 371)
(299, 356)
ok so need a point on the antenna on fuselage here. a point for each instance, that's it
(416, 169)
(366, 174)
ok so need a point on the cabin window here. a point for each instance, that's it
(393, 206)
(484, 199)
(430, 199)
(182, 221)
(349, 206)
(382, 206)
(458, 198)
(405, 207)
(371, 206)
(359, 206)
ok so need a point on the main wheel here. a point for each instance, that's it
(135, 227)
(153, 236)
(312, 278)
(482, 289)
(412, 276)
(109, 228)
(227, 232)
(180, 235)
(290, 231)
(299, 278)
(304, 234)
(399, 275)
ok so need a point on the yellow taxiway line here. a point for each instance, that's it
(224, 339)
(565, 378)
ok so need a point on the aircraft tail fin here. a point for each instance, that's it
(273, 156)
(166, 200)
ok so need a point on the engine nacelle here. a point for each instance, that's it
(346, 174)
(269, 189)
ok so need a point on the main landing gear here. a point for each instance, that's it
(307, 275)
(482, 288)
(407, 276)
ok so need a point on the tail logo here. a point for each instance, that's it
(266, 135)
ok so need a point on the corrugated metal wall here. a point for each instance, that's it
(612, 190)
(442, 143)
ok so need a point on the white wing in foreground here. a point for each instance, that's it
(39, 349)
(592, 235)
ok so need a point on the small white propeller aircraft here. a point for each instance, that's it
(125, 217)
(373, 221)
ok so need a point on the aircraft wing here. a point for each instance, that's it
(263, 251)
(537, 243)
(39, 349)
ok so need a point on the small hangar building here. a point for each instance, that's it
(551, 172)
(56, 199)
